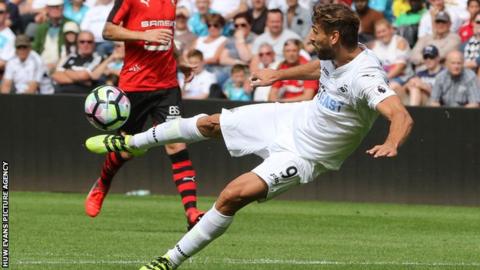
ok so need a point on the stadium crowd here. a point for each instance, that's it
(429, 50)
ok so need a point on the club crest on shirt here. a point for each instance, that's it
(381, 89)
(343, 89)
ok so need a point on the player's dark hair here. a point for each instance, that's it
(338, 17)
(195, 53)
(239, 67)
(215, 19)
(275, 10)
(247, 17)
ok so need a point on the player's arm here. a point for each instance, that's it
(400, 126)
(112, 31)
(308, 71)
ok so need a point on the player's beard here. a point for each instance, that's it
(325, 53)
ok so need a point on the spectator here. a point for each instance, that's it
(298, 19)
(74, 75)
(258, 12)
(49, 37)
(212, 46)
(75, 10)
(237, 88)
(7, 38)
(471, 49)
(197, 22)
(426, 28)
(293, 90)
(275, 34)
(14, 20)
(238, 49)
(393, 51)
(419, 87)
(407, 23)
(109, 69)
(368, 17)
(264, 59)
(70, 32)
(466, 30)
(94, 22)
(199, 87)
(442, 38)
(229, 8)
(456, 86)
(183, 37)
(25, 72)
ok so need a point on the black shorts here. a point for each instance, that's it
(161, 105)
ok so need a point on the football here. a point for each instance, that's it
(107, 107)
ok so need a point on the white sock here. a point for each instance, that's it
(177, 130)
(211, 226)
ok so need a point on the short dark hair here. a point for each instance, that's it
(469, 1)
(275, 10)
(247, 17)
(215, 18)
(338, 17)
(239, 67)
(195, 53)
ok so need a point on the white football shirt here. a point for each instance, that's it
(331, 126)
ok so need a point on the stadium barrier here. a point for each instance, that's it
(42, 138)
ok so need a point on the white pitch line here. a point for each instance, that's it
(207, 260)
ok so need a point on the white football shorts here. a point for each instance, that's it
(267, 131)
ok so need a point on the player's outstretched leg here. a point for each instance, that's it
(98, 192)
(186, 130)
(238, 193)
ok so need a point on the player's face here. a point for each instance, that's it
(321, 42)
(291, 53)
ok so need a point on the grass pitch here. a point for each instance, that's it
(51, 231)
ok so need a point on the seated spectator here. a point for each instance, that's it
(237, 88)
(70, 32)
(229, 8)
(197, 23)
(456, 86)
(238, 49)
(212, 46)
(293, 90)
(368, 17)
(419, 87)
(466, 30)
(442, 38)
(258, 12)
(183, 37)
(199, 87)
(94, 21)
(407, 23)
(275, 35)
(75, 10)
(109, 70)
(471, 49)
(25, 72)
(393, 51)
(49, 37)
(298, 19)
(426, 23)
(7, 38)
(264, 59)
(74, 75)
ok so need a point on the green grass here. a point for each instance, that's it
(51, 231)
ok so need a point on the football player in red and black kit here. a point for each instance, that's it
(149, 78)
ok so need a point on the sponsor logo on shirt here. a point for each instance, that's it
(168, 23)
(329, 102)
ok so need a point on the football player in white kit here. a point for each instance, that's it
(298, 141)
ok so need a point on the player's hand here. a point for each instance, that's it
(187, 70)
(384, 150)
(263, 77)
(162, 36)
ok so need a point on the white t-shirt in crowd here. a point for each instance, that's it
(331, 126)
(209, 49)
(30, 70)
(276, 43)
(200, 85)
(95, 19)
(7, 44)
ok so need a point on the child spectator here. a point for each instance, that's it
(199, 87)
(237, 87)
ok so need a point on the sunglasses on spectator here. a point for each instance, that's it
(22, 47)
(3, 11)
(241, 25)
(429, 56)
(477, 22)
(265, 54)
(214, 25)
(85, 41)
